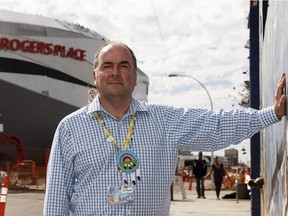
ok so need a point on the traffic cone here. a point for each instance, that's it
(3, 195)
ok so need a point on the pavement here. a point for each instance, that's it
(31, 204)
(209, 206)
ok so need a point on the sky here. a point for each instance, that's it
(201, 39)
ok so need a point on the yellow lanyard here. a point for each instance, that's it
(110, 136)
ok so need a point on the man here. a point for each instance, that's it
(200, 171)
(117, 155)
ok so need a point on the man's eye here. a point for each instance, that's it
(125, 65)
(106, 66)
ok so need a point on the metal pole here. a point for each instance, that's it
(181, 75)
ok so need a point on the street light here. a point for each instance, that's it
(181, 75)
(211, 104)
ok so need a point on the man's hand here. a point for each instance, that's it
(280, 98)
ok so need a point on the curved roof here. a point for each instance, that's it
(37, 20)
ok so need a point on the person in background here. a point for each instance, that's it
(117, 155)
(2, 175)
(200, 171)
(218, 174)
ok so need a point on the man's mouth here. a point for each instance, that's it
(114, 83)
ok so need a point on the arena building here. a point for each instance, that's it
(45, 74)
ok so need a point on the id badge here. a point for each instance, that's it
(121, 195)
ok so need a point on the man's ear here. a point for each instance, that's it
(135, 79)
(94, 77)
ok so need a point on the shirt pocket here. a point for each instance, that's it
(93, 158)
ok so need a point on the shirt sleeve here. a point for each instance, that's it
(203, 130)
(59, 175)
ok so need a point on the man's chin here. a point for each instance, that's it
(117, 93)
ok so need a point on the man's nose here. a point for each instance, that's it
(115, 71)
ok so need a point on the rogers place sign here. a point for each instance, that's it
(37, 47)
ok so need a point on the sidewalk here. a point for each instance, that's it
(23, 204)
(209, 206)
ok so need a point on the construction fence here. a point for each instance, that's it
(26, 168)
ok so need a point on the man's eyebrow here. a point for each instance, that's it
(125, 62)
(106, 62)
(122, 62)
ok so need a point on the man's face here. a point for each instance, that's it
(115, 75)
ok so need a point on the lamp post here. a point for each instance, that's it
(181, 75)
(211, 104)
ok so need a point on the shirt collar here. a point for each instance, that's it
(135, 106)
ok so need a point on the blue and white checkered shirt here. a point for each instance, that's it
(83, 163)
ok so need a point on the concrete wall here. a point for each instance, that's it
(273, 61)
